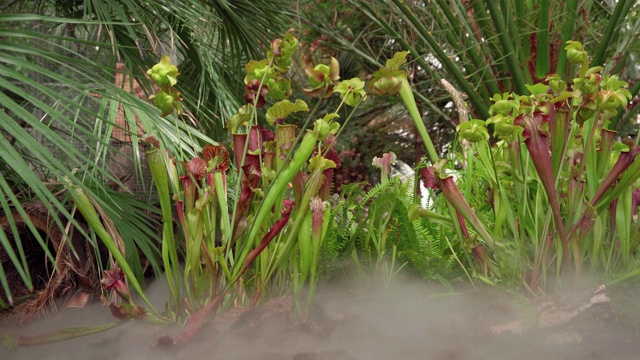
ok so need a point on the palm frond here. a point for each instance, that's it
(59, 104)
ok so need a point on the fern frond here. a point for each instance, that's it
(375, 191)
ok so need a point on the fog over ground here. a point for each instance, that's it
(405, 320)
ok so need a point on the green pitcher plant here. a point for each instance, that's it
(252, 220)
(552, 189)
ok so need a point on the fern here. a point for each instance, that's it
(364, 221)
(339, 241)
(376, 191)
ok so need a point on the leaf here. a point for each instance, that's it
(537, 89)
(280, 110)
(241, 117)
(398, 60)
(57, 335)
(352, 91)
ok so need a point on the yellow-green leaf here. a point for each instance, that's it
(398, 60)
(284, 108)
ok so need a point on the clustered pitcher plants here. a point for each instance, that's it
(256, 232)
(558, 189)
(240, 227)
(251, 223)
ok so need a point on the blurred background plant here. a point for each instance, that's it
(481, 48)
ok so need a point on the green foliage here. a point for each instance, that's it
(255, 238)
(560, 188)
(59, 103)
(374, 229)
(481, 48)
(547, 204)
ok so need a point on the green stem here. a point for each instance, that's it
(221, 196)
(474, 98)
(305, 247)
(568, 20)
(613, 25)
(317, 240)
(407, 96)
(278, 186)
(507, 44)
(87, 210)
(470, 49)
(311, 190)
(160, 175)
(542, 52)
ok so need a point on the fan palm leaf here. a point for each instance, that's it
(60, 106)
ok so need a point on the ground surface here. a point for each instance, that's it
(401, 322)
